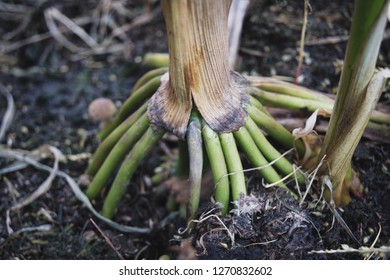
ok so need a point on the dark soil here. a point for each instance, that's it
(52, 88)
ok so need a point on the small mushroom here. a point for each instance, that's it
(102, 109)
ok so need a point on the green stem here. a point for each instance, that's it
(135, 100)
(368, 22)
(250, 149)
(106, 146)
(358, 93)
(194, 141)
(234, 165)
(275, 130)
(127, 169)
(116, 155)
(218, 166)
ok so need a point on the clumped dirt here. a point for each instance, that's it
(52, 88)
(265, 225)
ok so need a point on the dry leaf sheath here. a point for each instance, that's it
(199, 70)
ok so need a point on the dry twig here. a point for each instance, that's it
(108, 241)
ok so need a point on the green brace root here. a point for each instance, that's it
(153, 60)
(269, 152)
(218, 166)
(250, 149)
(292, 90)
(290, 102)
(234, 165)
(106, 146)
(148, 76)
(257, 104)
(278, 99)
(122, 147)
(127, 169)
(136, 99)
(278, 132)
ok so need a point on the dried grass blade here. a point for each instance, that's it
(71, 25)
(332, 207)
(9, 113)
(17, 155)
(45, 186)
(57, 34)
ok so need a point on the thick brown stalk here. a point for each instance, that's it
(199, 69)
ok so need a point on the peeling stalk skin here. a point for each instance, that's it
(199, 73)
